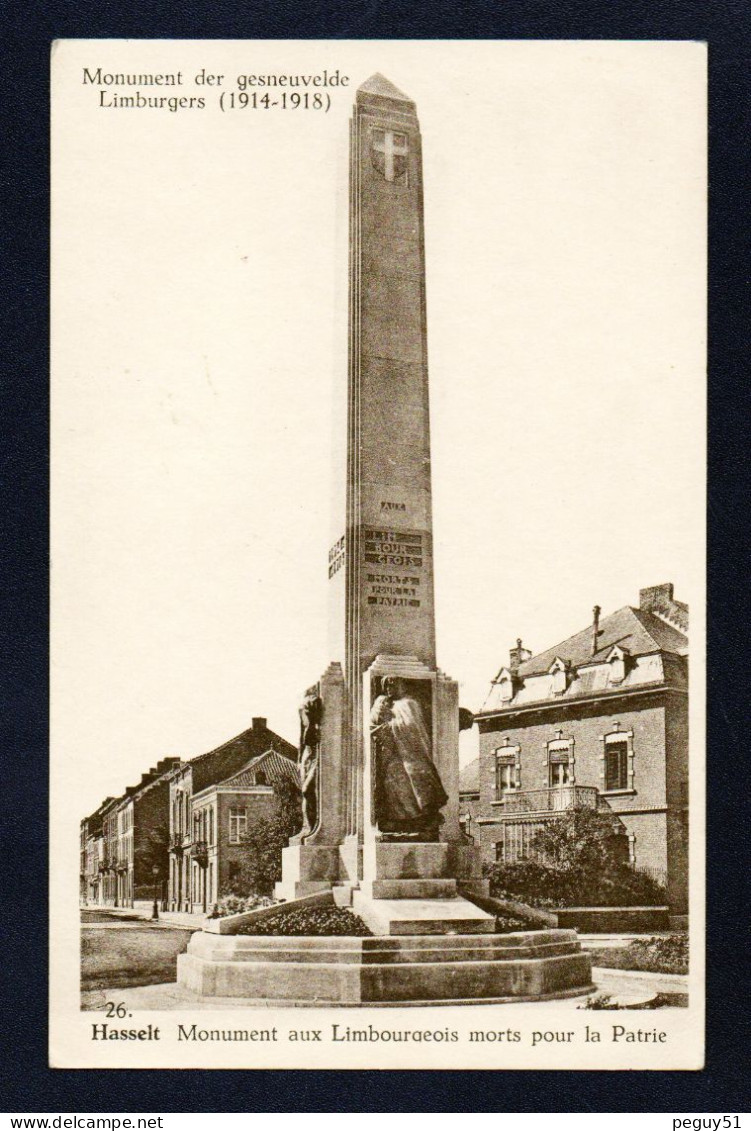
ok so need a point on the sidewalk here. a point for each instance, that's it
(130, 916)
(181, 919)
(595, 942)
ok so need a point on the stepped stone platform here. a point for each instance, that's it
(431, 943)
(387, 970)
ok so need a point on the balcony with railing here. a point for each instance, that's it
(179, 841)
(201, 853)
(544, 802)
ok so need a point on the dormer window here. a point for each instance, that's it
(559, 676)
(505, 685)
(616, 662)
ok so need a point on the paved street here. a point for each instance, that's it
(121, 948)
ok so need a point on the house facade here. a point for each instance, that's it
(111, 861)
(142, 822)
(92, 857)
(199, 815)
(469, 800)
(222, 814)
(117, 841)
(599, 721)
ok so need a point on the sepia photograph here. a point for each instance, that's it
(378, 496)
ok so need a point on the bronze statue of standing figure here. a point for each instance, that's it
(311, 711)
(409, 794)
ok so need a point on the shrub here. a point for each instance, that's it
(581, 840)
(599, 1001)
(310, 921)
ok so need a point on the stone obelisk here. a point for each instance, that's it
(380, 567)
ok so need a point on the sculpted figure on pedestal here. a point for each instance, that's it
(409, 793)
(311, 711)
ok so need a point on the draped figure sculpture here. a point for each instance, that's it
(311, 711)
(408, 793)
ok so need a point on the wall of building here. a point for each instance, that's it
(676, 730)
(180, 787)
(655, 727)
(258, 802)
(150, 816)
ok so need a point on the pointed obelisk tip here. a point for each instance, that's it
(379, 85)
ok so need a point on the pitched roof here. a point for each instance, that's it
(272, 763)
(233, 755)
(469, 777)
(635, 630)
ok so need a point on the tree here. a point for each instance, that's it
(154, 851)
(581, 841)
(267, 836)
(150, 853)
(578, 858)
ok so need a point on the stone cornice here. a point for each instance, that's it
(558, 704)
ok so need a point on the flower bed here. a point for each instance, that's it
(507, 924)
(237, 904)
(311, 922)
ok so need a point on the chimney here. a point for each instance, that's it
(167, 763)
(656, 597)
(518, 655)
(259, 723)
(595, 627)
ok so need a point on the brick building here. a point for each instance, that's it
(142, 823)
(600, 721)
(469, 799)
(222, 814)
(199, 813)
(92, 856)
(110, 853)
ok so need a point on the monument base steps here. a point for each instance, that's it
(411, 889)
(387, 970)
(421, 916)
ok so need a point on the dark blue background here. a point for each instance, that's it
(28, 1085)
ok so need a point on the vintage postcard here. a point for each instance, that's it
(378, 489)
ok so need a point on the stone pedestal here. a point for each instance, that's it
(319, 858)
(413, 889)
(401, 886)
(438, 970)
